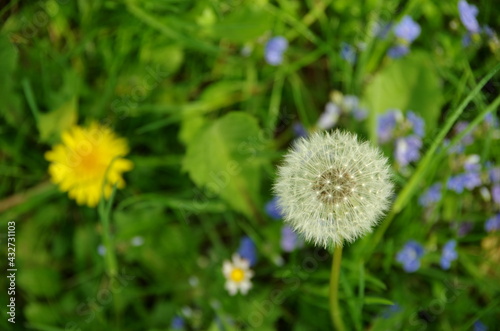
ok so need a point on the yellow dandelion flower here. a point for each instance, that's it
(86, 155)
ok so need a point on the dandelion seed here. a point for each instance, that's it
(86, 160)
(238, 275)
(319, 202)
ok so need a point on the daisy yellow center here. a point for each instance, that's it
(237, 275)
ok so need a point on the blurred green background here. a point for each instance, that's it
(187, 84)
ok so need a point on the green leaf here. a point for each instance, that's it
(10, 101)
(377, 301)
(246, 24)
(410, 83)
(42, 282)
(52, 124)
(170, 57)
(223, 159)
(39, 313)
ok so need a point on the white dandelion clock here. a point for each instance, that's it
(332, 188)
(238, 275)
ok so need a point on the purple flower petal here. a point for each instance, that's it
(407, 29)
(468, 15)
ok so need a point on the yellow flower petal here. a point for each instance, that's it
(85, 157)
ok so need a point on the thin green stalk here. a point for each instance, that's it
(334, 290)
(104, 215)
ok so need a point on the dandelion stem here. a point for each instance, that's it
(334, 290)
(104, 215)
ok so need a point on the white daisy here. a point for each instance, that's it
(237, 275)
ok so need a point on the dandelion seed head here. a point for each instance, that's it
(333, 188)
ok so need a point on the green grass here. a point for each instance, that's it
(171, 77)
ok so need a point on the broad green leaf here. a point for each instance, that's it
(409, 83)
(190, 126)
(52, 124)
(223, 159)
(246, 24)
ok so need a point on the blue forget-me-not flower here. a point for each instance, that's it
(449, 254)
(479, 326)
(493, 224)
(433, 194)
(468, 15)
(348, 52)
(408, 149)
(273, 210)
(410, 256)
(247, 250)
(406, 31)
(274, 50)
(290, 240)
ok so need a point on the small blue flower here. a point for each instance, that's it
(348, 53)
(490, 33)
(351, 104)
(407, 29)
(479, 326)
(468, 15)
(289, 239)
(449, 254)
(468, 180)
(472, 163)
(101, 250)
(273, 210)
(330, 116)
(493, 224)
(495, 193)
(461, 126)
(274, 50)
(492, 120)
(408, 150)
(386, 124)
(410, 256)
(177, 323)
(472, 180)
(247, 250)
(398, 51)
(417, 123)
(494, 174)
(299, 130)
(467, 40)
(433, 194)
(391, 310)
